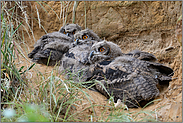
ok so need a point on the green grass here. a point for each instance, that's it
(11, 77)
(46, 97)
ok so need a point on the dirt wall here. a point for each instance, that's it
(148, 26)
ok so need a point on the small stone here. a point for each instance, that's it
(119, 103)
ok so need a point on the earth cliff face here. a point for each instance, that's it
(147, 26)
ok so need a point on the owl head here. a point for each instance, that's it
(104, 50)
(70, 29)
(86, 36)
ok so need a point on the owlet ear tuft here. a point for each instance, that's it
(79, 28)
(105, 42)
(87, 29)
(62, 29)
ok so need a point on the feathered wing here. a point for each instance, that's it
(128, 79)
(51, 37)
(80, 53)
(51, 46)
(75, 61)
(142, 55)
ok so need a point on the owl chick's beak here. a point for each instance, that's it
(91, 54)
(77, 41)
(67, 34)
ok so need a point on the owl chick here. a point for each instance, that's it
(70, 29)
(113, 50)
(126, 78)
(104, 50)
(76, 59)
(50, 48)
(86, 36)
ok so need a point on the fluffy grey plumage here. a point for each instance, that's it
(129, 79)
(86, 36)
(76, 59)
(70, 29)
(104, 50)
(142, 55)
(52, 46)
(111, 50)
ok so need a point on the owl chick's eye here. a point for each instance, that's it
(64, 32)
(73, 32)
(85, 37)
(101, 49)
(74, 39)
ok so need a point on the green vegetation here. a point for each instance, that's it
(43, 97)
